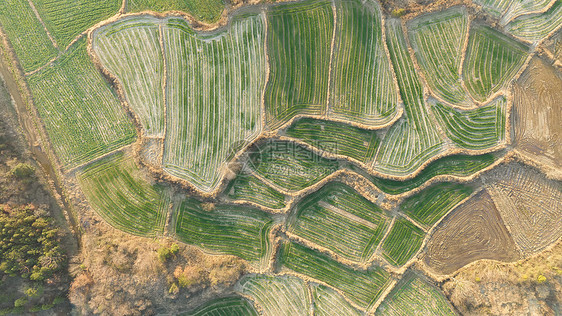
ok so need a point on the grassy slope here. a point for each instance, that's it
(208, 11)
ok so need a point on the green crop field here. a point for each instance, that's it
(290, 166)
(480, 128)
(362, 287)
(251, 189)
(340, 219)
(506, 10)
(142, 77)
(455, 165)
(438, 40)
(336, 138)
(298, 45)
(535, 27)
(66, 19)
(283, 295)
(413, 140)
(27, 36)
(328, 302)
(225, 306)
(413, 295)
(492, 59)
(208, 11)
(214, 87)
(234, 230)
(403, 241)
(431, 204)
(82, 114)
(115, 189)
(362, 89)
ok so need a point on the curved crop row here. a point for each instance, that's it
(328, 302)
(455, 165)
(481, 128)
(142, 73)
(290, 166)
(413, 140)
(298, 45)
(431, 204)
(506, 10)
(414, 293)
(248, 188)
(225, 306)
(535, 27)
(83, 117)
(362, 287)
(492, 59)
(340, 219)
(234, 230)
(402, 242)
(213, 93)
(117, 192)
(437, 40)
(361, 88)
(336, 138)
(27, 36)
(282, 295)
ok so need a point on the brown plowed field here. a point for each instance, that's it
(474, 230)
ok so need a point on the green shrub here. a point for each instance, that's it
(20, 302)
(22, 171)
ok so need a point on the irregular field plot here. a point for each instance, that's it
(535, 27)
(480, 128)
(66, 19)
(362, 88)
(290, 166)
(455, 165)
(225, 306)
(116, 190)
(538, 112)
(234, 230)
(529, 204)
(340, 219)
(509, 9)
(403, 241)
(492, 59)
(414, 139)
(27, 36)
(362, 287)
(336, 138)
(214, 89)
(428, 206)
(473, 230)
(208, 11)
(298, 45)
(130, 50)
(328, 302)
(82, 115)
(277, 295)
(413, 295)
(251, 189)
(438, 39)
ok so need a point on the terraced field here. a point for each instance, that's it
(82, 115)
(207, 11)
(403, 241)
(492, 59)
(481, 128)
(117, 191)
(248, 188)
(298, 45)
(362, 89)
(227, 306)
(362, 287)
(328, 302)
(438, 42)
(27, 35)
(413, 295)
(340, 219)
(66, 19)
(507, 10)
(289, 165)
(277, 295)
(414, 139)
(235, 230)
(535, 27)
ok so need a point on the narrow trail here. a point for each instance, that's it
(43, 23)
